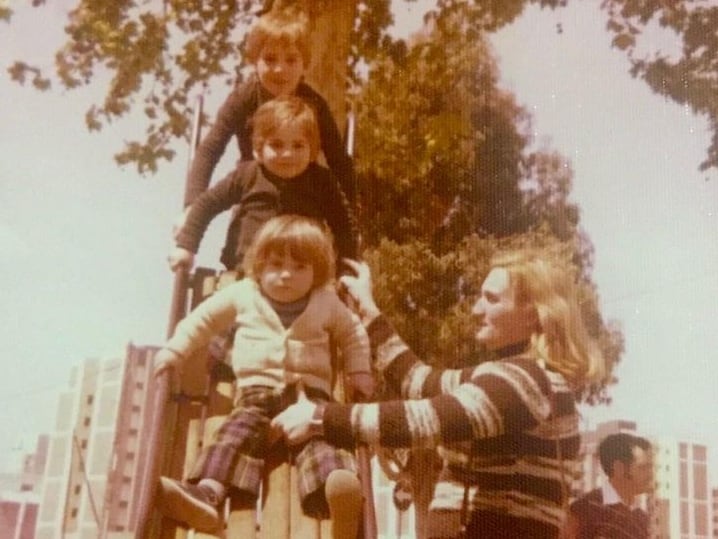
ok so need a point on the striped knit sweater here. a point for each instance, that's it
(509, 428)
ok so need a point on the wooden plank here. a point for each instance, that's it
(242, 519)
(302, 526)
(275, 518)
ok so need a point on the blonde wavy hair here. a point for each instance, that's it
(561, 341)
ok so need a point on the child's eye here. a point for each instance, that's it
(292, 59)
(274, 260)
(298, 145)
(269, 58)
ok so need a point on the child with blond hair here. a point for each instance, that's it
(287, 314)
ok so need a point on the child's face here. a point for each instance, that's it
(280, 68)
(285, 279)
(286, 152)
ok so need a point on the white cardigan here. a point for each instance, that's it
(266, 353)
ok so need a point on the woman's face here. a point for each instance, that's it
(502, 321)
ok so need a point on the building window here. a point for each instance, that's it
(83, 444)
(699, 453)
(86, 422)
(77, 489)
(700, 481)
(90, 398)
(684, 480)
(701, 519)
(73, 513)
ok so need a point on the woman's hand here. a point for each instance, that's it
(298, 422)
(359, 287)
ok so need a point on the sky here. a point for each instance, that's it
(83, 243)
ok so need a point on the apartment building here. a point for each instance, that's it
(94, 451)
(682, 503)
(19, 495)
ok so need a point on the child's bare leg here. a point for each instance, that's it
(344, 497)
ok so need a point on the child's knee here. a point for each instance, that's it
(342, 486)
(344, 497)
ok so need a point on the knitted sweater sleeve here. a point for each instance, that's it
(208, 205)
(351, 338)
(212, 147)
(340, 217)
(332, 143)
(497, 398)
(214, 315)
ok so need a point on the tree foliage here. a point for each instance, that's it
(688, 76)
(446, 176)
(156, 53)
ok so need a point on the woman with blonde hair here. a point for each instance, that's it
(507, 429)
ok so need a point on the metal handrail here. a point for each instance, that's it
(162, 396)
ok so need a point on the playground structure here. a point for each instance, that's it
(187, 410)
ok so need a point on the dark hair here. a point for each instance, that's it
(285, 110)
(619, 447)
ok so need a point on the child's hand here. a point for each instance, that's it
(180, 258)
(178, 223)
(360, 386)
(165, 359)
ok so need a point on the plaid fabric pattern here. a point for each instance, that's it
(234, 457)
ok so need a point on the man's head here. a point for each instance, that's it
(627, 461)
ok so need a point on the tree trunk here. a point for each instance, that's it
(330, 24)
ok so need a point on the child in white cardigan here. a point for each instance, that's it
(287, 314)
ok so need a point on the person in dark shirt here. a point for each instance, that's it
(284, 178)
(611, 511)
(277, 46)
